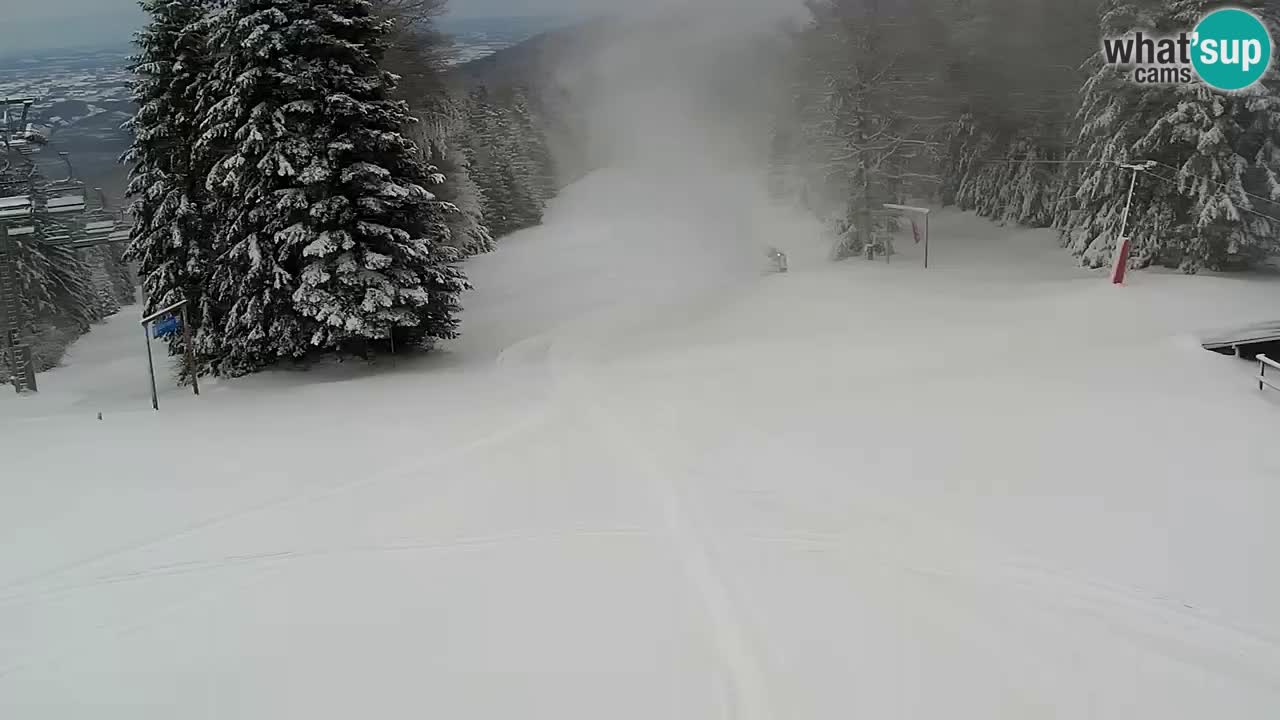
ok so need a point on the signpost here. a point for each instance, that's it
(169, 325)
(167, 322)
(923, 211)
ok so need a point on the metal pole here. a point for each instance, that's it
(9, 304)
(151, 367)
(191, 355)
(1123, 245)
(926, 241)
(1124, 223)
(71, 171)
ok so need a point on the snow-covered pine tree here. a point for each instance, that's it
(540, 170)
(1012, 81)
(1259, 117)
(100, 263)
(172, 233)
(1015, 185)
(56, 283)
(520, 172)
(332, 241)
(479, 148)
(501, 152)
(58, 297)
(967, 171)
(468, 231)
(439, 134)
(123, 281)
(416, 50)
(489, 157)
(1192, 210)
(1208, 132)
(419, 54)
(1114, 114)
(866, 112)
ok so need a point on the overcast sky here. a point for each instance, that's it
(23, 10)
(36, 24)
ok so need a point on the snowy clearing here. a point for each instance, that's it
(652, 482)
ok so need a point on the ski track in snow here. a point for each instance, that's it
(824, 561)
(261, 565)
(279, 504)
(193, 567)
(747, 690)
(1159, 624)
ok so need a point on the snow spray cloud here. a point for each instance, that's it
(673, 105)
(679, 83)
(1229, 50)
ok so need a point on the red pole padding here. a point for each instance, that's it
(1122, 261)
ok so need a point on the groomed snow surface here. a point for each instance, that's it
(653, 482)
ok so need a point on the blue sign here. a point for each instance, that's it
(166, 327)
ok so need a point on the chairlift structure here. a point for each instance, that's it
(36, 210)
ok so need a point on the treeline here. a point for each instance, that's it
(489, 145)
(497, 171)
(307, 176)
(62, 291)
(1005, 107)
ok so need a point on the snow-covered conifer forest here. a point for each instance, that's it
(1004, 107)
(307, 177)
(1001, 107)
(592, 377)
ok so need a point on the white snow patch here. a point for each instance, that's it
(653, 482)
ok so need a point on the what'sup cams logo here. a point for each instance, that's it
(1230, 49)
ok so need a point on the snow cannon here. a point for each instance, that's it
(777, 260)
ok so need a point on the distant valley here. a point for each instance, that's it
(475, 38)
(82, 96)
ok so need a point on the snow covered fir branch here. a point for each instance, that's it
(1006, 108)
(309, 178)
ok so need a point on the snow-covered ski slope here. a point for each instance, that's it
(652, 482)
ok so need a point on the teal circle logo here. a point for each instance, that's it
(1232, 49)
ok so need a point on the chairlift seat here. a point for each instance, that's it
(15, 207)
(65, 204)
